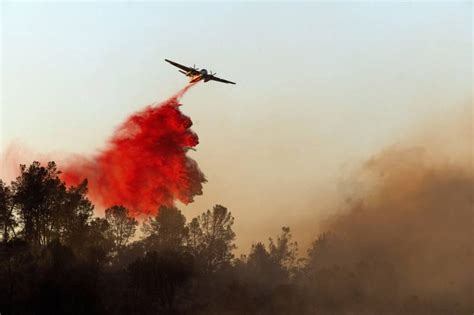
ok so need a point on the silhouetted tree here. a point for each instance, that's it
(47, 210)
(166, 230)
(99, 244)
(260, 259)
(7, 220)
(283, 251)
(194, 236)
(55, 258)
(122, 226)
(318, 251)
(266, 272)
(212, 238)
(37, 192)
(73, 221)
(262, 270)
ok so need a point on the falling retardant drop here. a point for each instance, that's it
(144, 165)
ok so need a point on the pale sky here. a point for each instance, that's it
(321, 87)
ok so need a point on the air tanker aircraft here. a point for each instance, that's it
(196, 75)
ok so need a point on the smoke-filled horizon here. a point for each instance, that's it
(321, 88)
(396, 174)
(414, 221)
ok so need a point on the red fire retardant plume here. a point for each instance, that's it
(144, 164)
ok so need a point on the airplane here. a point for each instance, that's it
(196, 75)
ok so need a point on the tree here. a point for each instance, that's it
(166, 230)
(122, 227)
(262, 270)
(47, 209)
(36, 193)
(269, 268)
(194, 237)
(98, 244)
(212, 238)
(75, 216)
(7, 221)
(283, 251)
(259, 258)
(317, 252)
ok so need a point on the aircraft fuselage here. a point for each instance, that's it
(203, 75)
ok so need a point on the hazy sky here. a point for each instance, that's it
(320, 88)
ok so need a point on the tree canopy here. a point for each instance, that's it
(57, 257)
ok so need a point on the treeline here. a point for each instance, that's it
(57, 258)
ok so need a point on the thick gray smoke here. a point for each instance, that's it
(415, 224)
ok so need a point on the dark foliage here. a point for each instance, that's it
(56, 258)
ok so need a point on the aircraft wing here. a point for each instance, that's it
(220, 80)
(187, 69)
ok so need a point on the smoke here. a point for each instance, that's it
(415, 215)
(144, 164)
